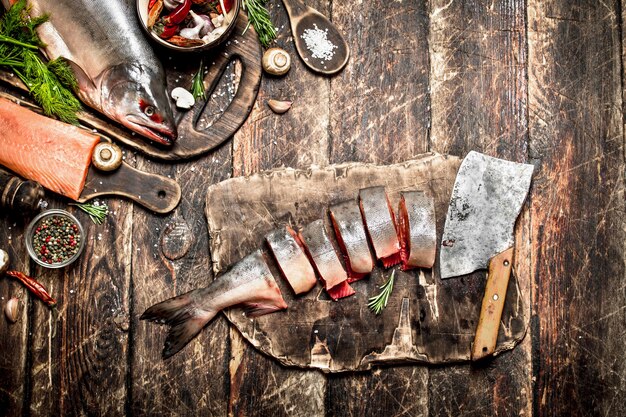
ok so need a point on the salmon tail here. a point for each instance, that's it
(392, 260)
(184, 318)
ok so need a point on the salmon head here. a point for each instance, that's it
(135, 96)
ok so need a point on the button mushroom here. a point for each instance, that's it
(4, 261)
(184, 99)
(107, 156)
(276, 61)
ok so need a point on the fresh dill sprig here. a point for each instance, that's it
(379, 301)
(97, 211)
(197, 83)
(260, 19)
(49, 83)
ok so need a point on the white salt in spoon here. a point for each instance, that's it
(327, 51)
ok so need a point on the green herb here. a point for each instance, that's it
(259, 17)
(379, 302)
(197, 83)
(49, 83)
(97, 211)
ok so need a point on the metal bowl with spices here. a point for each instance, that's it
(55, 238)
(188, 25)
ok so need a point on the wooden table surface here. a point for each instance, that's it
(539, 81)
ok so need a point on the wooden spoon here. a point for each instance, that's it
(301, 18)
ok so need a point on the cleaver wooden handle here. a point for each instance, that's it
(493, 303)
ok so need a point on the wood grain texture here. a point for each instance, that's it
(83, 352)
(14, 395)
(380, 113)
(194, 382)
(478, 60)
(298, 139)
(578, 233)
(379, 104)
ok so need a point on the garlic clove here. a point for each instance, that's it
(184, 99)
(279, 106)
(12, 310)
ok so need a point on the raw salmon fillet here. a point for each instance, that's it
(324, 258)
(352, 239)
(293, 262)
(417, 230)
(381, 224)
(55, 154)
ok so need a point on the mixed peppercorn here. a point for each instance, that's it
(56, 239)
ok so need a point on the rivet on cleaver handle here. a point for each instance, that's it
(154, 192)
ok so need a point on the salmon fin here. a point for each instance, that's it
(184, 318)
(257, 310)
(84, 80)
(340, 290)
(392, 260)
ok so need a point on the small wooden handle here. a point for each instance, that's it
(154, 192)
(493, 303)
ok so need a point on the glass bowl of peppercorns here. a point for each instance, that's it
(55, 238)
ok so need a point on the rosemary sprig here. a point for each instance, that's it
(97, 211)
(379, 301)
(259, 17)
(48, 82)
(197, 83)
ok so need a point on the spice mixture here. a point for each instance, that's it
(317, 42)
(56, 239)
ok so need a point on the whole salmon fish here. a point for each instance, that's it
(117, 71)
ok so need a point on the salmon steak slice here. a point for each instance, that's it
(323, 255)
(292, 261)
(352, 238)
(417, 230)
(381, 224)
(55, 154)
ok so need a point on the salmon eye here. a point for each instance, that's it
(149, 111)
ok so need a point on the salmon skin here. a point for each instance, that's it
(117, 71)
(417, 230)
(55, 154)
(293, 262)
(249, 283)
(381, 224)
(352, 239)
(323, 256)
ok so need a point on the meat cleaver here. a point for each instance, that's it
(487, 197)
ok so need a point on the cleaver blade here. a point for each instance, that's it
(486, 200)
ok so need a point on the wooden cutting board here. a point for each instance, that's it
(427, 320)
(194, 137)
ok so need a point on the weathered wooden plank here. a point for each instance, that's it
(380, 113)
(578, 230)
(14, 342)
(478, 99)
(297, 138)
(379, 103)
(171, 257)
(84, 352)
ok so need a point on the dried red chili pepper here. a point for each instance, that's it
(178, 14)
(35, 287)
(165, 32)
